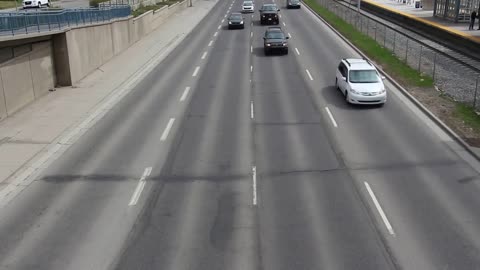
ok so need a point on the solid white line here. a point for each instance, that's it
(331, 117)
(289, 35)
(379, 209)
(251, 68)
(297, 51)
(216, 33)
(140, 187)
(284, 24)
(309, 75)
(204, 55)
(185, 93)
(195, 72)
(252, 115)
(167, 129)
(210, 43)
(254, 183)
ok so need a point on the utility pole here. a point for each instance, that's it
(190, 4)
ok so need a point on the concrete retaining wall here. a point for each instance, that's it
(26, 78)
(84, 56)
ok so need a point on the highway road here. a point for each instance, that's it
(223, 158)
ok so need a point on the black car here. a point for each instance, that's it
(293, 4)
(275, 40)
(235, 21)
(269, 14)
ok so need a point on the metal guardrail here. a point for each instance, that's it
(452, 76)
(23, 22)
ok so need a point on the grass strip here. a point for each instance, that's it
(389, 62)
(142, 9)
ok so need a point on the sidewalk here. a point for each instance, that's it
(28, 135)
(427, 15)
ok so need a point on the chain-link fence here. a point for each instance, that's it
(458, 80)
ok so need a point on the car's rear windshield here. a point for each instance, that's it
(275, 35)
(363, 76)
(269, 8)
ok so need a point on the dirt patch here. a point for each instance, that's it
(445, 109)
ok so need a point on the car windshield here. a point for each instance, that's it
(247, 3)
(269, 8)
(363, 76)
(236, 17)
(275, 35)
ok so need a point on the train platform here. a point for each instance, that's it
(414, 10)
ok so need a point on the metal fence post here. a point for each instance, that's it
(434, 66)
(58, 21)
(420, 58)
(375, 27)
(38, 23)
(25, 21)
(385, 37)
(476, 90)
(406, 52)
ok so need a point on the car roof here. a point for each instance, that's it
(358, 64)
(269, 5)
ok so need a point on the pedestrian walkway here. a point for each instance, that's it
(426, 16)
(28, 135)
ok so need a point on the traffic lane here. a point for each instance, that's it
(200, 215)
(308, 208)
(393, 140)
(96, 170)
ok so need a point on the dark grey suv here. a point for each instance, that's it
(269, 14)
(275, 40)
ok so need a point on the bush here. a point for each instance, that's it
(95, 3)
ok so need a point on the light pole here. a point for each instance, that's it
(190, 4)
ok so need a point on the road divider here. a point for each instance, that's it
(254, 185)
(140, 186)
(331, 117)
(195, 72)
(167, 129)
(379, 209)
(309, 75)
(185, 93)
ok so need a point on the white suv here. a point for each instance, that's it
(360, 82)
(35, 3)
(248, 6)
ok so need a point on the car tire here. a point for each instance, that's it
(346, 97)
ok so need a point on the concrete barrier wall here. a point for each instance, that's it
(88, 48)
(25, 78)
(110, 39)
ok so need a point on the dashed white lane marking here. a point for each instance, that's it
(296, 50)
(204, 55)
(185, 93)
(195, 72)
(379, 209)
(309, 75)
(280, 15)
(225, 16)
(167, 129)
(216, 33)
(140, 187)
(251, 68)
(251, 49)
(252, 114)
(223, 20)
(284, 24)
(254, 183)
(251, 34)
(210, 43)
(220, 26)
(331, 117)
(289, 35)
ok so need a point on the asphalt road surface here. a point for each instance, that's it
(223, 158)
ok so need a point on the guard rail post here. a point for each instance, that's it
(25, 21)
(434, 66)
(406, 52)
(420, 58)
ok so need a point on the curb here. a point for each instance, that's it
(404, 91)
